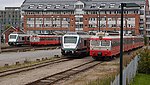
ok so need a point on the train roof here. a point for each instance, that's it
(20, 34)
(38, 35)
(77, 33)
(115, 37)
(80, 34)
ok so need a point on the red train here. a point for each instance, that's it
(45, 40)
(103, 45)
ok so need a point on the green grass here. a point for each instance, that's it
(103, 81)
(141, 79)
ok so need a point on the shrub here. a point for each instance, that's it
(144, 63)
(145, 40)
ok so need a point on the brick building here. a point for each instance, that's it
(8, 31)
(45, 16)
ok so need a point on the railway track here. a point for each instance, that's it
(27, 68)
(27, 48)
(49, 80)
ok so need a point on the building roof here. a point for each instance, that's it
(69, 4)
(16, 29)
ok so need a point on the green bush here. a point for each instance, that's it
(144, 63)
(145, 40)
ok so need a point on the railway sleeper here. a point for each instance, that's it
(41, 83)
(70, 72)
(47, 81)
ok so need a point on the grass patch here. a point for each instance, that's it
(141, 79)
(103, 81)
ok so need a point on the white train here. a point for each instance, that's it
(75, 43)
(16, 39)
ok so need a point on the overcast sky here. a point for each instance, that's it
(10, 3)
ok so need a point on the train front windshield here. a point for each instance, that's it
(12, 36)
(100, 42)
(105, 43)
(70, 39)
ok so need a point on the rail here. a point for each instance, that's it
(64, 74)
(27, 68)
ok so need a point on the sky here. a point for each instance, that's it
(11, 3)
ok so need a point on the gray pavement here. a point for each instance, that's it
(12, 57)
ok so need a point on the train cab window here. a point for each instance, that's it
(22, 38)
(85, 42)
(95, 42)
(69, 39)
(105, 43)
(12, 36)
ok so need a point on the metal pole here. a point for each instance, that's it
(121, 45)
(99, 20)
(0, 37)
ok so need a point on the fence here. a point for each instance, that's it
(128, 73)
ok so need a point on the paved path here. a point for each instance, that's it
(11, 58)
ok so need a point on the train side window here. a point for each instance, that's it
(112, 43)
(52, 38)
(22, 38)
(115, 43)
(85, 42)
(41, 39)
(56, 38)
(28, 38)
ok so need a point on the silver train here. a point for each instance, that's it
(17, 39)
(75, 43)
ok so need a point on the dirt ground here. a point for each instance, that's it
(101, 71)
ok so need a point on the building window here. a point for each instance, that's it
(56, 22)
(30, 25)
(57, 6)
(47, 22)
(66, 6)
(48, 6)
(79, 6)
(79, 19)
(31, 6)
(39, 22)
(30, 19)
(102, 5)
(93, 5)
(65, 22)
(112, 5)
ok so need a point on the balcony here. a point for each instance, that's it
(148, 22)
(141, 22)
(147, 29)
(148, 35)
(141, 28)
(147, 16)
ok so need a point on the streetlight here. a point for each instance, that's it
(99, 18)
(121, 36)
(0, 37)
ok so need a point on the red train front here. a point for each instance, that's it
(45, 40)
(100, 46)
(104, 45)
